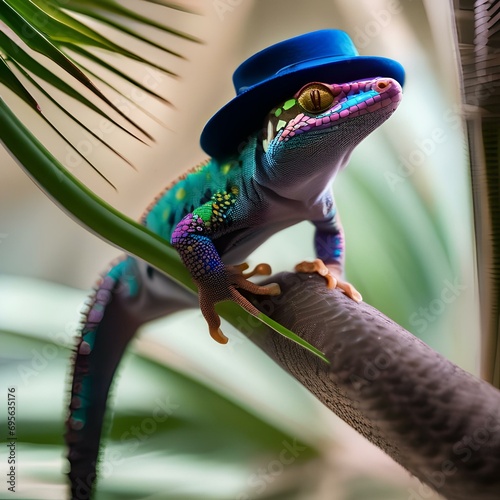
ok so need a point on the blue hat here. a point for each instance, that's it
(276, 73)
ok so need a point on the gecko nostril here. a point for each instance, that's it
(382, 85)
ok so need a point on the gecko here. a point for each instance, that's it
(215, 215)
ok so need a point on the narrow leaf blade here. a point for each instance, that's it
(41, 44)
(9, 79)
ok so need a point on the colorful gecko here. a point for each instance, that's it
(256, 184)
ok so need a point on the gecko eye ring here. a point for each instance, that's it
(315, 98)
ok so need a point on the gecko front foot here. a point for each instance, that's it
(331, 273)
(226, 288)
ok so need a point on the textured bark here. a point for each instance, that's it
(438, 421)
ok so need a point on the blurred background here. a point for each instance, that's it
(405, 202)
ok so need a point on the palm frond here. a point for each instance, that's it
(37, 31)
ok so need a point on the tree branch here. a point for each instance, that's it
(438, 421)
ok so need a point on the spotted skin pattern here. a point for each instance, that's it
(215, 216)
(191, 235)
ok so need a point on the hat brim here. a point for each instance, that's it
(233, 124)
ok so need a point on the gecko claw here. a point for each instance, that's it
(331, 274)
(218, 336)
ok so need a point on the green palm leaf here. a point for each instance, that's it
(34, 31)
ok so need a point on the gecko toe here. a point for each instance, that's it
(218, 336)
(331, 274)
(350, 291)
(259, 270)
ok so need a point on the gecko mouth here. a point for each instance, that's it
(319, 106)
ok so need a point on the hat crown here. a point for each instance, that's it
(288, 55)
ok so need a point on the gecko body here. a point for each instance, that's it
(215, 216)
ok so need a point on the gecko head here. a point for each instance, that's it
(306, 74)
(326, 121)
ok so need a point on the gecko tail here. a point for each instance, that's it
(130, 294)
(106, 331)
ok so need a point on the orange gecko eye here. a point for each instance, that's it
(315, 98)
